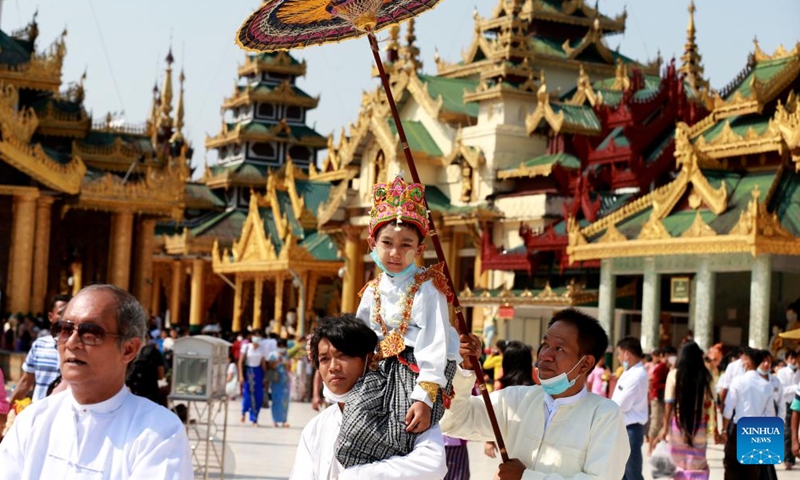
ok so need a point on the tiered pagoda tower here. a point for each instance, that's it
(265, 238)
(264, 126)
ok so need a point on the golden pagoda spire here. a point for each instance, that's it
(179, 108)
(393, 45)
(410, 53)
(166, 94)
(692, 67)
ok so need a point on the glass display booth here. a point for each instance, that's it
(199, 367)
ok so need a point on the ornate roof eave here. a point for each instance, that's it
(473, 217)
(237, 136)
(336, 199)
(662, 200)
(524, 171)
(33, 161)
(283, 64)
(760, 93)
(281, 96)
(185, 243)
(116, 157)
(758, 231)
(42, 72)
(545, 298)
(719, 244)
(160, 193)
(55, 123)
(498, 92)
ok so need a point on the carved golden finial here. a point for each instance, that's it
(691, 59)
(179, 109)
(409, 53)
(165, 107)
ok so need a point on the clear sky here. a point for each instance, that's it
(122, 45)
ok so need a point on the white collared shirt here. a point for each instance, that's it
(434, 339)
(124, 437)
(552, 405)
(733, 370)
(631, 394)
(584, 439)
(749, 396)
(315, 458)
(789, 379)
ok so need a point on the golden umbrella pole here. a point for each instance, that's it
(437, 244)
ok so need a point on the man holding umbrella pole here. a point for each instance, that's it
(558, 429)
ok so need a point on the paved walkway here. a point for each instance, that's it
(268, 453)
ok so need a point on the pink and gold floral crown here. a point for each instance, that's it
(398, 202)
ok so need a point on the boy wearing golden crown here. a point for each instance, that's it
(406, 306)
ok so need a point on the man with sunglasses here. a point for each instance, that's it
(41, 363)
(97, 428)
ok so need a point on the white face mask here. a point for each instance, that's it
(334, 397)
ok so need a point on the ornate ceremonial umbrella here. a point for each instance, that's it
(291, 24)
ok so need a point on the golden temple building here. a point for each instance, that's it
(265, 242)
(79, 197)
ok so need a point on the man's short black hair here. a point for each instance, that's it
(592, 339)
(790, 354)
(347, 334)
(58, 298)
(755, 355)
(669, 350)
(631, 344)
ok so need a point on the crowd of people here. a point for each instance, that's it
(400, 387)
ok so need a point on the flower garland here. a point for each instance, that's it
(393, 343)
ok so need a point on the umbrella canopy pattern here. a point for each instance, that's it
(291, 24)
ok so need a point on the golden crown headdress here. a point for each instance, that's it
(398, 202)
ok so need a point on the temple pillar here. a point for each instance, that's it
(703, 297)
(651, 305)
(119, 266)
(354, 250)
(236, 324)
(480, 278)
(143, 275)
(175, 294)
(760, 287)
(23, 229)
(279, 281)
(258, 292)
(311, 282)
(41, 252)
(197, 292)
(607, 300)
(155, 295)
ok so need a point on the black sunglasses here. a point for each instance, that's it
(88, 333)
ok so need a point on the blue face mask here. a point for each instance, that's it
(625, 365)
(560, 383)
(793, 367)
(377, 261)
(762, 372)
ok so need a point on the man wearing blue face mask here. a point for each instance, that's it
(790, 378)
(631, 396)
(554, 431)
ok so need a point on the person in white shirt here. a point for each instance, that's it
(341, 348)
(733, 370)
(749, 395)
(631, 396)
(556, 430)
(790, 378)
(97, 428)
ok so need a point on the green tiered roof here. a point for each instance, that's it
(452, 92)
(419, 140)
(14, 51)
